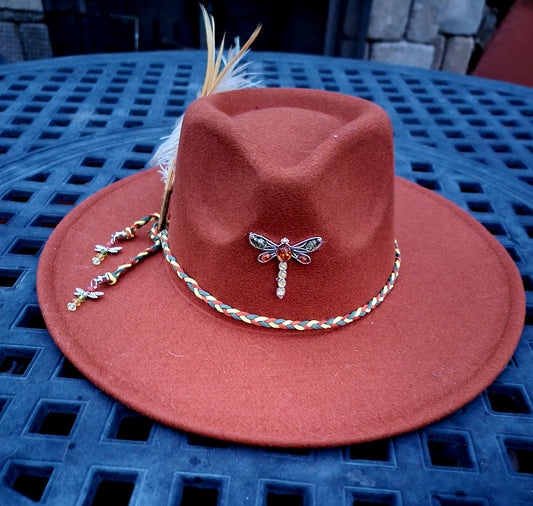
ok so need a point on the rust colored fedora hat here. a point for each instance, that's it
(285, 215)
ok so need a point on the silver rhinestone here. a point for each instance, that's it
(282, 274)
(71, 306)
(283, 266)
(280, 292)
(96, 261)
(282, 282)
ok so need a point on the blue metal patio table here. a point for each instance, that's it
(69, 126)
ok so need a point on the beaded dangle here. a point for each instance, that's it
(91, 293)
(102, 251)
(111, 278)
(81, 296)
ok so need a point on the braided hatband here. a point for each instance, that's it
(264, 321)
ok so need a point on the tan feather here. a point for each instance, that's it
(230, 64)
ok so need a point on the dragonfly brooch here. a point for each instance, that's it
(283, 252)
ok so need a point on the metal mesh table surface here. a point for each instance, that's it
(73, 125)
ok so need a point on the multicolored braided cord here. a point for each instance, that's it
(122, 269)
(161, 237)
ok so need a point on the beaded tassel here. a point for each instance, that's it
(111, 278)
(81, 296)
(103, 251)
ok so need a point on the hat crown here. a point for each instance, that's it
(288, 164)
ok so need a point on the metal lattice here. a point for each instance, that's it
(71, 126)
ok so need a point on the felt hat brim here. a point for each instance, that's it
(442, 335)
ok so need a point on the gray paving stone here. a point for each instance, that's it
(388, 19)
(439, 43)
(457, 55)
(423, 21)
(403, 53)
(22, 5)
(35, 40)
(21, 16)
(460, 17)
(10, 45)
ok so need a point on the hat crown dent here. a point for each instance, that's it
(285, 163)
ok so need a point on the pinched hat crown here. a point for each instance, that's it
(288, 164)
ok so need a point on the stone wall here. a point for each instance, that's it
(23, 34)
(436, 34)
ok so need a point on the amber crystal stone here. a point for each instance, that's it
(284, 252)
(265, 257)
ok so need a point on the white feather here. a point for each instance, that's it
(166, 151)
(237, 76)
